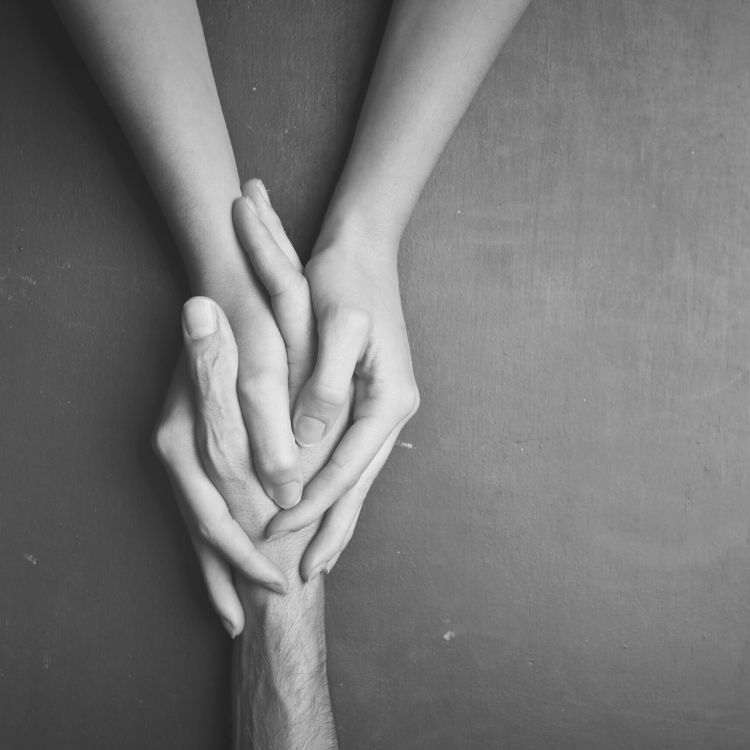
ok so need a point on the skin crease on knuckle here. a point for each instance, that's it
(355, 320)
(326, 396)
(253, 388)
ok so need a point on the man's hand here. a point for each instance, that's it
(202, 441)
(202, 438)
(280, 692)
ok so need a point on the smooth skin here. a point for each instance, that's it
(151, 63)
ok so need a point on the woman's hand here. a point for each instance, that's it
(361, 339)
(204, 446)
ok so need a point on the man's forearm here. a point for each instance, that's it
(151, 63)
(281, 698)
(433, 57)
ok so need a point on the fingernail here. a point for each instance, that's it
(333, 561)
(316, 572)
(229, 627)
(308, 431)
(263, 191)
(287, 495)
(250, 205)
(277, 535)
(199, 318)
(277, 586)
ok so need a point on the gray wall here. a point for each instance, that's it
(557, 555)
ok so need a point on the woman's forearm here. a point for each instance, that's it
(433, 57)
(151, 63)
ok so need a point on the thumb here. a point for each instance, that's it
(210, 346)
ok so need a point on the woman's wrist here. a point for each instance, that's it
(360, 229)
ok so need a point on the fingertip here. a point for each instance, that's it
(221, 591)
(332, 562)
(232, 628)
(255, 192)
(261, 186)
(272, 533)
(311, 572)
(318, 558)
(247, 186)
(254, 187)
(286, 495)
(279, 587)
(245, 204)
(237, 205)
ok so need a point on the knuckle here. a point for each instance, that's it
(327, 396)
(347, 317)
(299, 288)
(272, 464)
(407, 400)
(164, 440)
(210, 530)
(255, 387)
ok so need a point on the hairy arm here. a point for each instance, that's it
(280, 691)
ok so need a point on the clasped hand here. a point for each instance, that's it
(331, 340)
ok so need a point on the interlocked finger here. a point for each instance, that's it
(221, 591)
(280, 273)
(209, 517)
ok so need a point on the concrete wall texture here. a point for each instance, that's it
(557, 554)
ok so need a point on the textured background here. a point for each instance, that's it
(557, 556)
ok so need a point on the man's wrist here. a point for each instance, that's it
(265, 610)
(281, 688)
